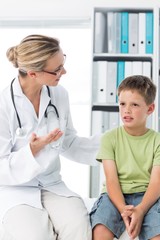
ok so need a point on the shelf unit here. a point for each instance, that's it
(108, 55)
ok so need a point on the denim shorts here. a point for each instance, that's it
(104, 212)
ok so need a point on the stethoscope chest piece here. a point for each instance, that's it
(20, 132)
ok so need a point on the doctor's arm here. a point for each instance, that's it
(80, 149)
(17, 162)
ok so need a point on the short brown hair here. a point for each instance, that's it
(144, 85)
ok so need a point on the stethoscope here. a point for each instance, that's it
(20, 130)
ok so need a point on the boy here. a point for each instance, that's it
(131, 160)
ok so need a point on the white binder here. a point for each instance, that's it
(147, 69)
(113, 120)
(137, 68)
(133, 33)
(100, 33)
(100, 72)
(110, 32)
(117, 32)
(105, 121)
(111, 85)
(142, 33)
(128, 69)
(97, 122)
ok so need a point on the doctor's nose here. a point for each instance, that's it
(63, 71)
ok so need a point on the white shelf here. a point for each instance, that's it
(102, 112)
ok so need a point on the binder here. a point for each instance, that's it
(111, 86)
(149, 32)
(137, 68)
(128, 69)
(113, 120)
(133, 33)
(124, 32)
(97, 122)
(105, 121)
(142, 33)
(117, 32)
(100, 75)
(120, 71)
(149, 121)
(110, 32)
(100, 33)
(146, 66)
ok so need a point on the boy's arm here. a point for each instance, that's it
(150, 197)
(112, 184)
(153, 191)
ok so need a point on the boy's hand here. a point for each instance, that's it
(133, 217)
(126, 215)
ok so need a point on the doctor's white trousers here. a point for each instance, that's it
(64, 218)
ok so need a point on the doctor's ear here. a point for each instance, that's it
(32, 74)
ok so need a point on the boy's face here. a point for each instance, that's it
(134, 110)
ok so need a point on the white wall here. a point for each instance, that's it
(14, 9)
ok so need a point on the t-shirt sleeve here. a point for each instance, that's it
(106, 150)
(156, 160)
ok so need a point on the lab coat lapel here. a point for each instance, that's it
(21, 101)
(24, 103)
(44, 101)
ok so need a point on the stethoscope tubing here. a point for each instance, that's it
(14, 105)
(20, 128)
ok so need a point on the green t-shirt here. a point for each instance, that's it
(134, 157)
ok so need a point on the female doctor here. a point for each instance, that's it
(35, 128)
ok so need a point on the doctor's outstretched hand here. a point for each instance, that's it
(37, 143)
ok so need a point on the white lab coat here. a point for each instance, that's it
(22, 176)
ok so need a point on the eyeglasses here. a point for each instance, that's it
(58, 70)
(55, 72)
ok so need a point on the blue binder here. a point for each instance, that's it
(149, 32)
(124, 32)
(120, 73)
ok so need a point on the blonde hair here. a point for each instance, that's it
(33, 52)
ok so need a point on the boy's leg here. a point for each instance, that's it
(69, 216)
(151, 223)
(156, 238)
(101, 232)
(25, 222)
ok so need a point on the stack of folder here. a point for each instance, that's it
(107, 75)
(123, 32)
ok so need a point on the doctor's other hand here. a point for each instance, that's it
(37, 143)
